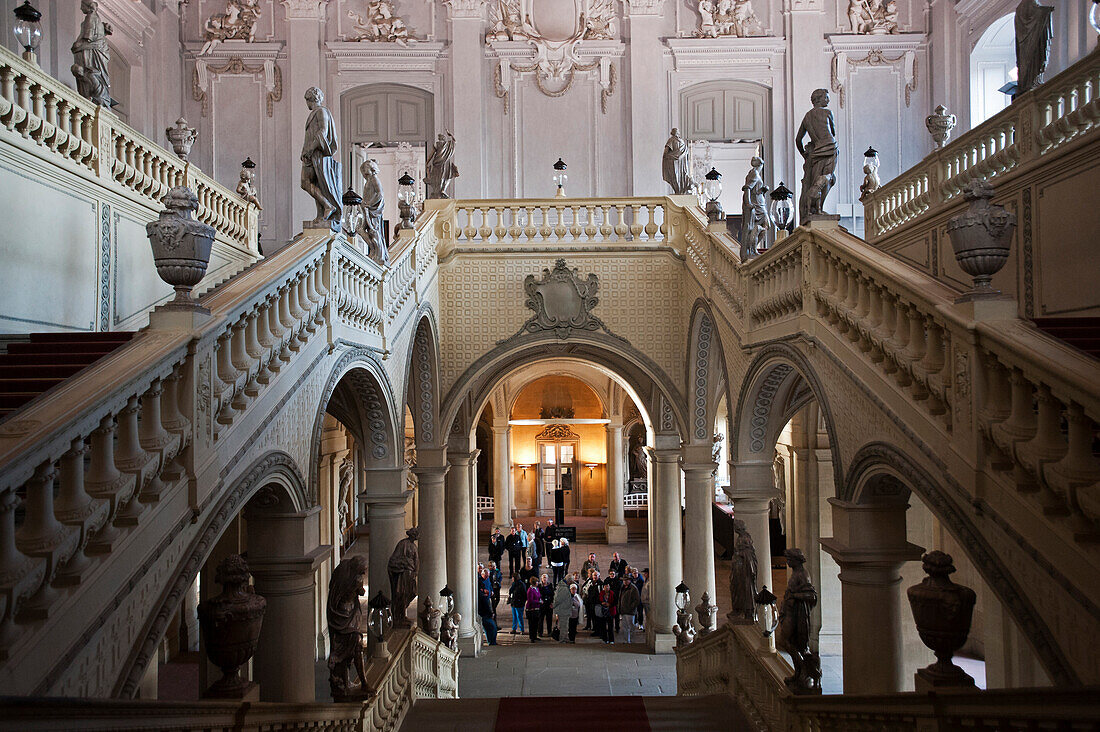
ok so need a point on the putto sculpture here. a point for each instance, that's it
(246, 187)
(431, 618)
(237, 23)
(448, 633)
(820, 154)
(675, 168)
(1034, 30)
(793, 635)
(873, 16)
(726, 18)
(743, 573)
(345, 628)
(92, 57)
(320, 164)
(373, 202)
(403, 565)
(440, 169)
(755, 221)
(380, 24)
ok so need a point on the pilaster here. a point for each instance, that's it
(643, 21)
(467, 89)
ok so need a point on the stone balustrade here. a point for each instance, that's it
(66, 129)
(560, 221)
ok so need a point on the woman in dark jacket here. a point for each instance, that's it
(533, 606)
(517, 599)
(546, 606)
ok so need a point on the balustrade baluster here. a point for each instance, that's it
(1048, 446)
(44, 537)
(74, 507)
(18, 572)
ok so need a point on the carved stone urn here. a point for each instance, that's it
(182, 138)
(939, 124)
(230, 625)
(981, 237)
(181, 246)
(942, 611)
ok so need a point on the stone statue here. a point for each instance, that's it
(743, 573)
(237, 23)
(639, 467)
(380, 24)
(599, 20)
(793, 635)
(320, 162)
(247, 190)
(820, 155)
(725, 18)
(345, 616)
(402, 567)
(706, 611)
(373, 202)
(431, 619)
(440, 168)
(873, 16)
(1034, 29)
(871, 182)
(684, 636)
(754, 211)
(674, 164)
(509, 23)
(448, 633)
(91, 57)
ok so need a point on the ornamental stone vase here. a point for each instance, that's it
(943, 611)
(939, 124)
(181, 246)
(981, 237)
(230, 625)
(182, 138)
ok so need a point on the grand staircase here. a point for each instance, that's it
(36, 363)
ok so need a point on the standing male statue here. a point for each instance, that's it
(345, 616)
(793, 635)
(373, 202)
(440, 169)
(320, 162)
(1034, 29)
(402, 567)
(743, 570)
(754, 211)
(91, 57)
(820, 155)
(674, 164)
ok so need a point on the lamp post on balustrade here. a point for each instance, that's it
(28, 30)
(782, 210)
(560, 177)
(712, 189)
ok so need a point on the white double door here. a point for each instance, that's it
(557, 471)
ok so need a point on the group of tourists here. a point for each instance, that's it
(553, 604)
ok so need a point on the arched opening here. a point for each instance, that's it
(992, 65)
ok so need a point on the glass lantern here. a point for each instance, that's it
(683, 597)
(447, 600)
(27, 30)
(406, 200)
(1094, 15)
(870, 157)
(379, 620)
(712, 189)
(782, 210)
(560, 177)
(352, 218)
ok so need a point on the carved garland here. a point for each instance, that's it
(606, 91)
(701, 377)
(874, 57)
(557, 432)
(200, 81)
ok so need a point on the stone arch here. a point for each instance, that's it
(705, 372)
(273, 479)
(657, 392)
(883, 473)
(422, 381)
(363, 396)
(779, 382)
(520, 386)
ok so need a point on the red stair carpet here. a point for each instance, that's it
(42, 361)
(1081, 333)
(572, 714)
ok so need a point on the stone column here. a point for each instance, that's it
(646, 90)
(283, 554)
(665, 548)
(305, 21)
(869, 543)
(385, 494)
(753, 488)
(432, 546)
(502, 477)
(616, 518)
(460, 543)
(699, 520)
(467, 87)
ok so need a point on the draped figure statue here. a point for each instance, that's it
(321, 162)
(674, 164)
(819, 153)
(754, 211)
(91, 56)
(793, 634)
(743, 571)
(402, 567)
(345, 626)
(373, 202)
(440, 169)
(1034, 30)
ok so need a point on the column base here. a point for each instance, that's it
(470, 645)
(663, 643)
(617, 534)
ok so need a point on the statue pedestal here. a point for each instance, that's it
(925, 681)
(249, 693)
(822, 221)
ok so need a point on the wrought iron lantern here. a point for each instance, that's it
(352, 218)
(560, 177)
(1094, 15)
(712, 189)
(870, 157)
(406, 200)
(782, 210)
(27, 30)
(683, 597)
(447, 600)
(379, 621)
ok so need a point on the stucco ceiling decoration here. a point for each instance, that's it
(556, 29)
(562, 302)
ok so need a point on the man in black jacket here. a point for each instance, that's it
(616, 584)
(515, 551)
(618, 565)
(496, 546)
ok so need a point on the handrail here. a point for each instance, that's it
(57, 124)
(560, 220)
(1036, 124)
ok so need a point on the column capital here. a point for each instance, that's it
(663, 455)
(396, 500)
(466, 9)
(305, 9)
(430, 457)
(430, 473)
(462, 459)
(288, 575)
(699, 469)
(699, 454)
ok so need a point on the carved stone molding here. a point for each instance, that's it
(205, 72)
(853, 51)
(764, 52)
(562, 302)
(557, 432)
(305, 9)
(465, 8)
(633, 8)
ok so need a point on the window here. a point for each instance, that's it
(992, 65)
